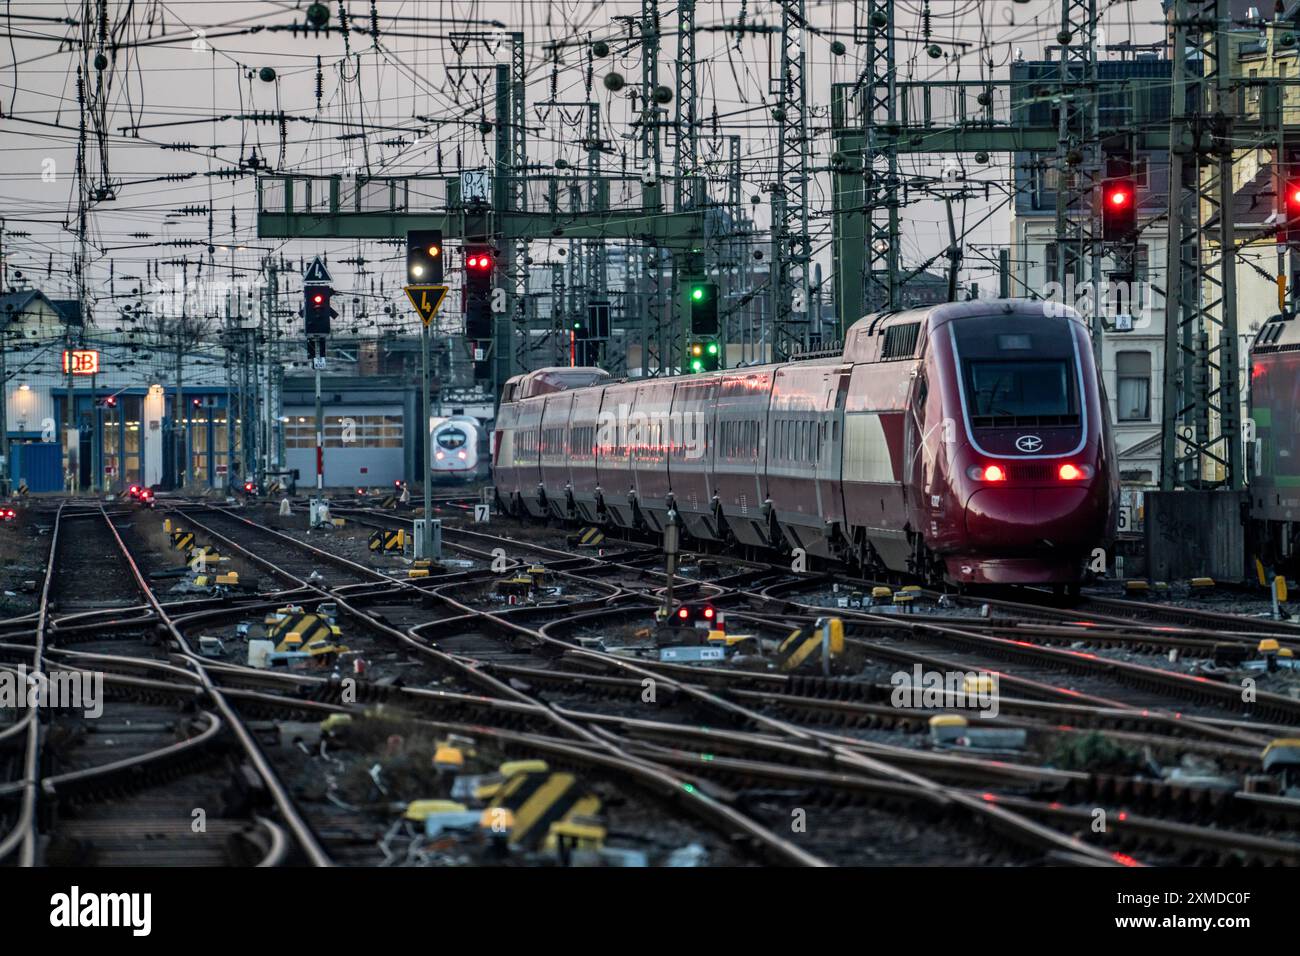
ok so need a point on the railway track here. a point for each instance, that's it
(1248, 734)
(139, 779)
(501, 621)
(517, 679)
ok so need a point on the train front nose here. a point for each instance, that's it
(1025, 521)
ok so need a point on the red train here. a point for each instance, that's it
(966, 442)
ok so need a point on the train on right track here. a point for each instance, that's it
(1274, 453)
(967, 443)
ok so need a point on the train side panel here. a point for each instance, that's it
(554, 454)
(875, 499)
(584, 424)
(691, 458)
(527, 456)
(504, 474)
(741, 455)
(802, 462)
(652, 423)
(614, 468)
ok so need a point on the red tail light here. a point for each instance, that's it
(1072, 472)
(708, 613)
(683, 613)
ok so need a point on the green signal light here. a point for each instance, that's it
(713, 348)
(697, 293)
(697, 366)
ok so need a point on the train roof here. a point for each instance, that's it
(859, 344)
(558, 379)
(868, 340)
(1281, 333)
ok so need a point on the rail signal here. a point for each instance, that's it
(704, 355)
(1118, 209)
(316, 309)
(479, 262)
(702, 306)
(424, 257)
(1291, 230)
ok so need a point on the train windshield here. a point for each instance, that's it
(1018, 371)
(452, 438)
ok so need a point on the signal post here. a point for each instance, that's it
(424, 270)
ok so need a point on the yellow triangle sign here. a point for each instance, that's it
(426, 300)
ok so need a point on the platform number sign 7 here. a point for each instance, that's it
(482, 513)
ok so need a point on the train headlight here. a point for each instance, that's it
(439, 455)
(460, 455)
(1072, 472)
(987, 472)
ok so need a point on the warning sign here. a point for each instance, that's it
(426, 300)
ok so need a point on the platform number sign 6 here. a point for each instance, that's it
(482, 513)
(1125, 521)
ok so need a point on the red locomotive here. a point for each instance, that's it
(966, 442)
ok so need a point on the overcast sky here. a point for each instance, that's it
(188, 63)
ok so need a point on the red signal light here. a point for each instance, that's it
(317, 299)
(1293, 199)
(683, 613)
(708, 613)
(1119, 197)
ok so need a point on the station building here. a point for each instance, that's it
(86, 410)
(89, 410)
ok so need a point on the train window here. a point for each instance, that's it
(1019, 389)
(1022, 375)
(1018, 342)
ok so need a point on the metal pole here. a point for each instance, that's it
(96, 461)
(4, 410)
(424, 432)
(320, 423)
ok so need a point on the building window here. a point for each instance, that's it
(1071, 262)
(352, 431)
(1141, 172)
(1133, 377)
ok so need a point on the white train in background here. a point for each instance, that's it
(459, 449)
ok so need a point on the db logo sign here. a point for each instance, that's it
(81, 362)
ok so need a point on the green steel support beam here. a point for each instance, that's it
(676, 230)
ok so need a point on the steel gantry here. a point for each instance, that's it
(1201, 428)
(1078, 154)
(791, 246)
(879, 168)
